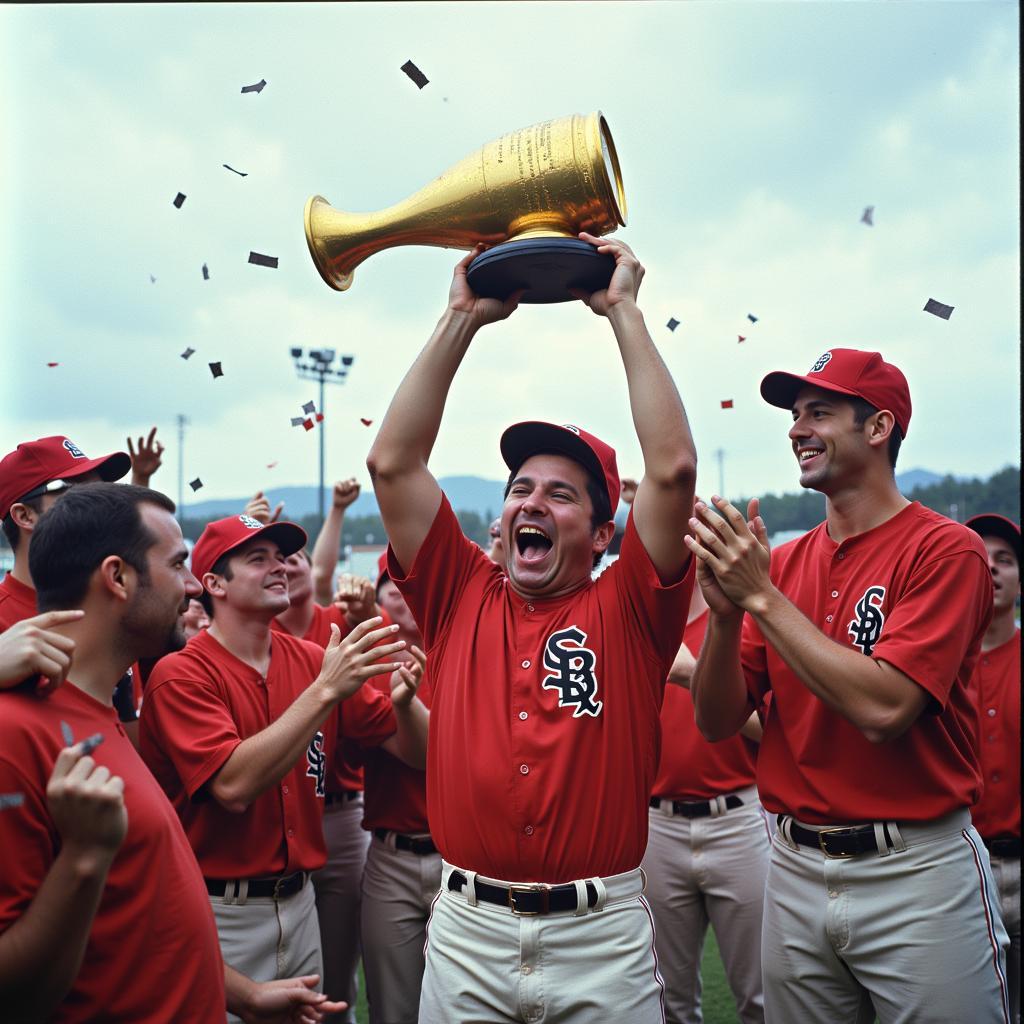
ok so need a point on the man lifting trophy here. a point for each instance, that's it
(526, 195)
(547, 684)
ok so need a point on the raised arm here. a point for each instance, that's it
(146, 459)
(664, 497)
(325, 551)
(407, 493)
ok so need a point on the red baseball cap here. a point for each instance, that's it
(225, 535)
(382, 568)
(34, 463)
(991, 524)
(850, 372)
(522, 440)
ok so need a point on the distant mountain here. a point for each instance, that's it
(466, 493)
(912, 478)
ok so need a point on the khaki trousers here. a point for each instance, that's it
(267, 938)
(338, 886)
(398, 890)
(1007, 875)
(701, 871)
(487, 965)
(911, 936)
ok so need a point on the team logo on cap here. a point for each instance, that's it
(570, 668)
(252, 524)
(821, 362)
(572, 427)
(866, 628)
(73, 450)
(316, 767)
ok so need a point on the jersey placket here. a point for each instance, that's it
(525, 721)
(276, 706)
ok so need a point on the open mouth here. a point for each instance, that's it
(807, 455)
(532, 543)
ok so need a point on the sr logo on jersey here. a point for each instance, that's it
(570, 668)
(316, 767)
(866, 628)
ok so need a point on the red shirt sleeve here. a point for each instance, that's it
(947, 604)
(444, 564)
(28, 845)
(196, 729)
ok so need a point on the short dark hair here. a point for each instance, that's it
(12, 531)
(600, 512)
(87, 525)
(222, 567)
(862, 409)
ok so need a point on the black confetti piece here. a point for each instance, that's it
(216, 370)
(188, 353)
(179, 199)
(206, 272)
(938, 308)
(867, 216)
(241, 174)
(263, 261)
(415, 74)
(672, 324)
(195, 484)
(258, 87)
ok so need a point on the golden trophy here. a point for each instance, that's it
(527, 195)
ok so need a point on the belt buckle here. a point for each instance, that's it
(536, 887)
(841, 829)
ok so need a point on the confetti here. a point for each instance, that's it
(752, 318)
(415, 74)
(726, 403)
(271, 465)
(319, 417)
(258, 87)
(188, 353)
(11, 800)
(53, 364)
(91, 743)
(867, 216)
(672, 324)
(179, 199)
(67, 735)
(206, 272)
(740, 338)
(347, 360)
(152, 279)
(297, 421)
(263, 261)
(216, 370)
(938, 308)
(365, 422)
(309, 407)
(195, 484)
(241, 174)
(307, 424)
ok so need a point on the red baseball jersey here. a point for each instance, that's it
(544, 731)
(201, 703)
(692, 768)
(996, 687)
(343, 772)
(395, 795)
(17, 602)
(152, 954)
(914, 592)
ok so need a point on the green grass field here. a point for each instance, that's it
(718, 1004)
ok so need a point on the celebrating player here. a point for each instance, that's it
(996, 688)
(879, 896)
(547, 684)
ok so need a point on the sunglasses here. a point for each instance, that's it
(51, 487)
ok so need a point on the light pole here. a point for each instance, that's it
(318, 364)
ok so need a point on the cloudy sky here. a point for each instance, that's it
(751, 137)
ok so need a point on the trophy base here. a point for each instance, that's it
(546, 267)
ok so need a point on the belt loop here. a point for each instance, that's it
(602, 893)
(718, 807)
(581, 898)
(228, 895)
(880, 841)
(470, 891)
(784, 822)
(242, 891)
(665, 807)
(895, 838)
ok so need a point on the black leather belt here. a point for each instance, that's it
(1002, 847)
(699, 808)
(343, 797)
(420, 845)
(526, 900)
(279, 888)
(840, 841)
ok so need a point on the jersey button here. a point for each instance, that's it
(291, 833)
(524, 769)
(523, 716)
(528, 830)
(996, 777)
(284, 789)
(991, 712)
(828, 618)
(526, 663)
(840, 556)
(835, 593)
(529, 607)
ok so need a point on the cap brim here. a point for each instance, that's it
(780, 388)
(110, 467)
(289, 537)
(522, 440)
(990, 524)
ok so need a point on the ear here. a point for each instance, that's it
(115, 577)
(878, 428)
(213, 584)
(603, 536)
(24, 517)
